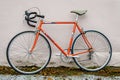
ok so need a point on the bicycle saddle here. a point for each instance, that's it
(79, 12)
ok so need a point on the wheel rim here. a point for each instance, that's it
(28, 63)
(101, 54)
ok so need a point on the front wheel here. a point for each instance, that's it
(99, 57)
(19, 56)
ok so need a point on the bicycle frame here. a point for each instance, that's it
(40, 29)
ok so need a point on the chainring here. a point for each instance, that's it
(66, 59)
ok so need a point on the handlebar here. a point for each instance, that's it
(30, 16)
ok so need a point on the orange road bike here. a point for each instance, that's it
(29, 52)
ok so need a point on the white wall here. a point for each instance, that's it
(102, 15)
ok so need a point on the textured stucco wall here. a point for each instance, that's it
(102, 15)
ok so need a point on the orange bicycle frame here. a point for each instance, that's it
(71, 39)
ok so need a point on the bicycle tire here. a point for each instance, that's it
(92, 61)
(21, 60)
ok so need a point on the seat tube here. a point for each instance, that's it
(71, 39)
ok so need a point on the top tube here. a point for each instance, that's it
(59, 22)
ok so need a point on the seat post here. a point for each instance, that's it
(77, 17)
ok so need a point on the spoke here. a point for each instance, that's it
(104, 48)
(31, 40)
(81, 43)
(35, 58)
(25, 56)
(84, 60)
(19, 48)
(96, 59)
(19, 55)
(40, 50)
(100, 45)
(20, 42)
(20, 45)
(25, 41)
(94, 40)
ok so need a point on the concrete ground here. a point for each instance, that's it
(39, 77)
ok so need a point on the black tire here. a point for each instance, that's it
(21, 60)
(102, 51)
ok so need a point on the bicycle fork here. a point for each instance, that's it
(37, 33)
(35, 41)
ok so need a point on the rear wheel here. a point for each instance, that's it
(101, 55)
(19, 56)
